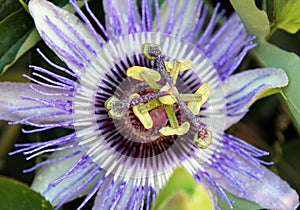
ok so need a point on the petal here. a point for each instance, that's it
(228, 46)
(121, 17)
(73, 41)
(124, 193)
(230, 102)
(14, 108)
(271, 192)
(180, 17)
(234, 166)
(45, 180)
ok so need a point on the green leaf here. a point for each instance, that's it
(16, 41)
(25, 6)
(7, 7)
(270, 55)
(15, 195)
(287, 15)
(255, 20)
(14, 30)
(239, 203)
(30, 41)
(182, 192)
(287, 164)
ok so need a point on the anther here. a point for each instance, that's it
(145, 117)
(136, 73)
(180, 130)
(204, 91)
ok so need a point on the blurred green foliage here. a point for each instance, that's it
(15, 195)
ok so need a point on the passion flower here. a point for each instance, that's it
(151, 93)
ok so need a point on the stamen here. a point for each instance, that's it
(163, 97)
(153, 51)
(152, 83)
(148, 76)
(135, 72)
(149, 106)
(191, 97)
(180, 130)
(118, 108)
(145, 117)
(171, 116)
(185, 64)
(169, 99)
(195, 106)
(179, 65)
(175, 71)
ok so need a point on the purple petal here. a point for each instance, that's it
(228, 46)
(121, 17)
(179, 17)
(57, 184)
(65, 34)
(270, 192)
(14, 108)
(230, 102)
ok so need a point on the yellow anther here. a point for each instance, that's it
(144, 117)
(135, 73)
(169, 99)
(185, 64)
(195, 106)
(180, 130)
(203, 138)
(175, 71)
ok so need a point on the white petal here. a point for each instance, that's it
(65, 34)
(118, 15)
(180, 14)
(271, 192)
(238, 92)
(10, 99)
(50, 172)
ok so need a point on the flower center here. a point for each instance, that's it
(139, 107)
(156, 107)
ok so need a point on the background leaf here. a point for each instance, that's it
(272, 56)
(16, 41)
(182, 192)
(255, 20)
(287, 15)
(15, 195)
(7, 7)
(14, 31)
(239, 203)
